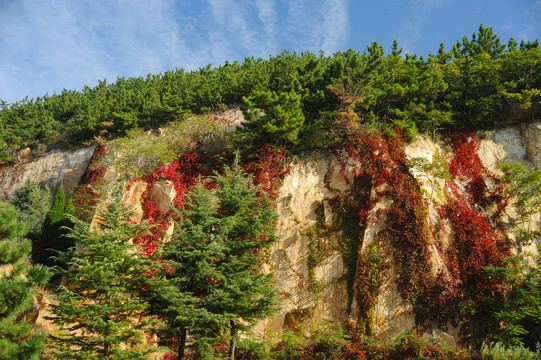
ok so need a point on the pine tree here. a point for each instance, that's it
(99, 305)
(282, 119)
(395, 51)
(180, 292)
(245, 294)
(32, 203)
(213, 279)
(55, 228)
(18, 278)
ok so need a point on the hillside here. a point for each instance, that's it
(396, 198)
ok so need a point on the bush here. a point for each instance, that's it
(498, 351)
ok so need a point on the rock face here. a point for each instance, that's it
(532, 137)
(311, 292)
(302, 306)
(314, 179)
(53, 169)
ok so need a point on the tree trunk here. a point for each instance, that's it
(181, 345)
(233, 342)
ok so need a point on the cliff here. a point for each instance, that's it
(53, 169)
(304, 200)
(316, 262)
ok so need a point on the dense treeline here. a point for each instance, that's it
(479, 82)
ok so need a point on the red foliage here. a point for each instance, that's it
(268, 169)
(382, 159)
(478, 238)
(466, 165)
(476, 244)
(183, 175)
(85, 197)
(93, 172)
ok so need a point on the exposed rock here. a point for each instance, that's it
(163, 194)
(392, 314)
(134, 197)
(436, 336)
(532, 136)
(501, 146)
(303, 205)
(53, 169)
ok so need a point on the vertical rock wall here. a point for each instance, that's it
(55, 168)
(314, 179)
(312, 293)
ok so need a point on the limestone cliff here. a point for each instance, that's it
(53, 169)
(312, 291)
(317, 177)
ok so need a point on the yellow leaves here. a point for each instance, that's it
(525, 98)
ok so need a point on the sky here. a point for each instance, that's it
(50, 45)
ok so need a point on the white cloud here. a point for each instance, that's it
(75, 43)
(321, 25)
(335, 22)
(53, 44)
(410, 32)
(269, 17)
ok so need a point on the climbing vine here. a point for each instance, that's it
(86, 196)
(370, 277)
(478, 237)
(380, 158)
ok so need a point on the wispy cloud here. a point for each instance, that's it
(410, 32)
(336, 23)
(76, 43)
(532, 22)
(268, 15)
(318, 25)
(50, 45)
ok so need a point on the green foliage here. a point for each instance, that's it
(32, 203)
(524, 188)
(54, 230)
(100, 310)
(180, 293)
(484, 42)
(281, 118)
(212, 278)
(515, 311)
(432, 170)
(498, 351)
(313, 260)
(138, 153)
(18, 339)
(477, 83)
(370, 278)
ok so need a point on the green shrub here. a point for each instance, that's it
(498, 351)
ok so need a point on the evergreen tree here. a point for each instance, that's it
(512, 44)
(212, 278)
(395, 51)
(514, 312)
(245, 294)
(282, 116)
(32, 203)
(54, 230)
(18, 278)
(100, 306)
(180, 292)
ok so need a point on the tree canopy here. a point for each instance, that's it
(479, 82)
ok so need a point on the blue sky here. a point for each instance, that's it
(49, 45)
